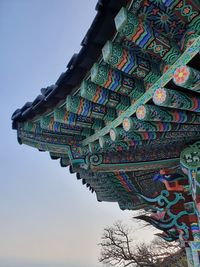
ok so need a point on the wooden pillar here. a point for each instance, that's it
(189, 257)
(190, 163)
(195, 249)
(195, 256)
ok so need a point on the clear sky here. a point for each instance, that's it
(47, 218)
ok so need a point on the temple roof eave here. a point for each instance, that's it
(79, 64)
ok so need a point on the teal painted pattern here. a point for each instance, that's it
(189, 257)
(33, 127)
(155, 113)
(127, 61)
(105, 141)
(195, 246)
(84, 107)
(98, 103)
(138, 32)
(69, 118)
(166, 77)
(102, 96)
(120, 134)
(133, 124)
(188, 78)
(117, 134)
(113, 80)
(94, 147)
(48, 123)
(160, 16)
(175, 99)
(187, 11)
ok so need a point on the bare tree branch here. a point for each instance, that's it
(117, 249)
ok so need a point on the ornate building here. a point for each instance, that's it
(125, 114)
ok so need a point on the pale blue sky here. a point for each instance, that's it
(47, 218)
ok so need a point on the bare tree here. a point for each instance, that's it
(117, 249)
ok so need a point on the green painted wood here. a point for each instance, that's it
(55, 148)
(189, 257)
(153, 165)
(84, 107)
(127, 144)
(139, 32)
(195, 256)
(102, 96)
(94, 147)
(175, 99)
(133, 124)
(105, 141)
(155, 113)
(128, 62)
(30, 126)
(118, 134)
(114, 80)
(49, 124)
(166, 77)
(72, 119)
(187, 77)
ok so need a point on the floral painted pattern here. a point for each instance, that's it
(126, 124)
(181, 74)
(159, 96)
(141, 112)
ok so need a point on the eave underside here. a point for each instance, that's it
(133, 114)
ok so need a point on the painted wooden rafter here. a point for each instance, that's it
(165, 78)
